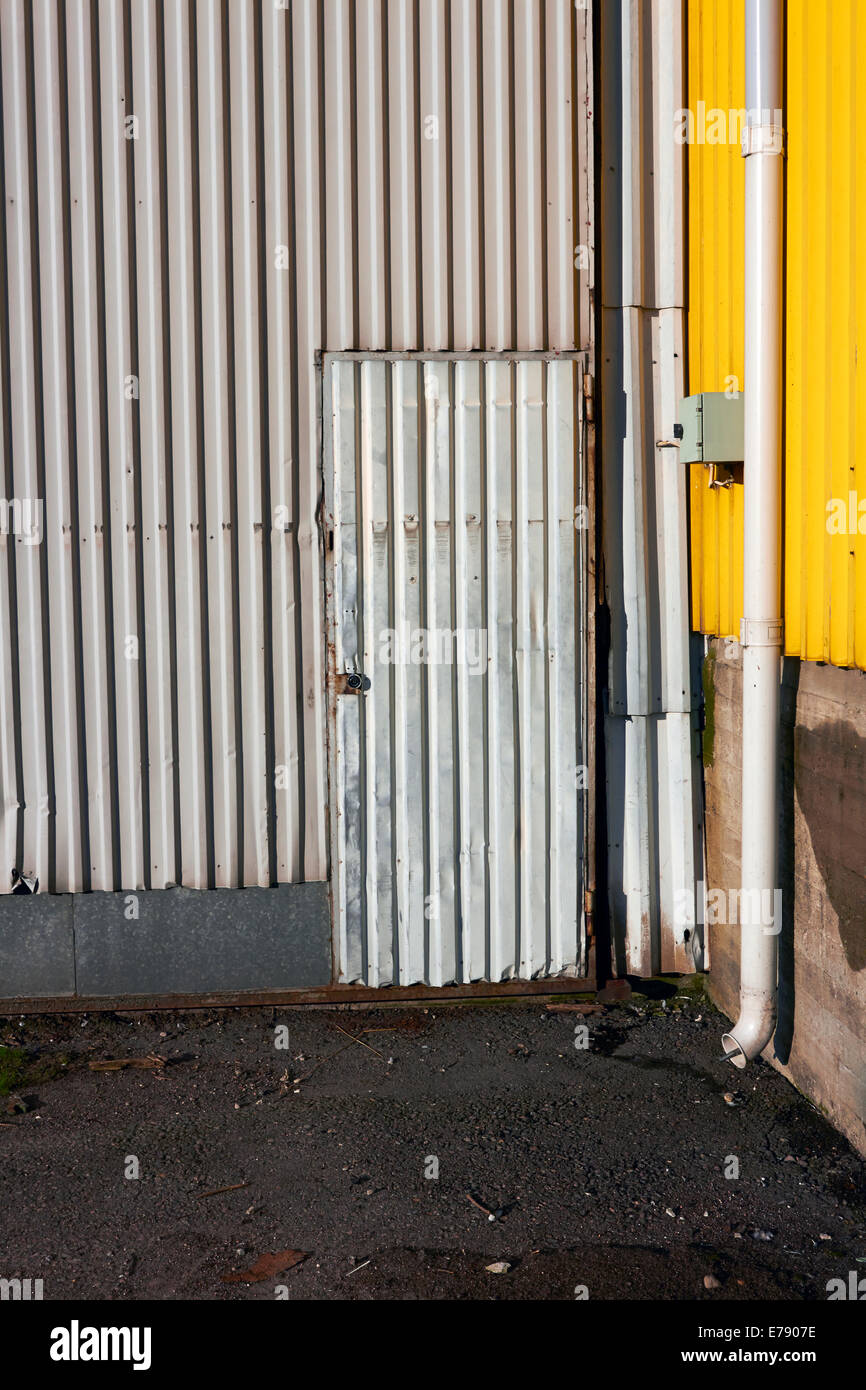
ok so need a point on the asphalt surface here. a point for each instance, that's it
(604, 1167)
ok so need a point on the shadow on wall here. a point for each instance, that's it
(821, 771)
(833, 814)
(784, 1034)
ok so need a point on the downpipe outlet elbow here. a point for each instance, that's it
(753, 1029)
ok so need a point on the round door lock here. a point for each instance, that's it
(354, 681)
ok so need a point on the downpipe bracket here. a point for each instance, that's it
(763, 139)
(757, 633)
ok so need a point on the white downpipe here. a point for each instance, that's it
(761, 632)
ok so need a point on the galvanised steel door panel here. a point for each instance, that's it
(457, 540)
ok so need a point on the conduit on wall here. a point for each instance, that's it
(653, 773)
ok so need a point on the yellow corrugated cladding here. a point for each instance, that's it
(825, 570)
(825, 416)
(716, 193)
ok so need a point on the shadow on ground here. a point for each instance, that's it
(381, 1142)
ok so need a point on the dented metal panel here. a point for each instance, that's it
(198, 198)
(459, 538)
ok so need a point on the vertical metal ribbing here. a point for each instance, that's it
(188, 523)
(492, 485)
(582, 708)
(10, 790)
(337, 661)
(339, 250)
(404, 269)
(268, 386)
(97, 654)
(309, 155)
(472, 784)
(251, 448)
(428, 382)
(497, 332)
(367, 650)
(212, 80)
(34, 570)
(279, 256)
(179, 453)
(465, 907)
(29, 478)
(401, 806)
(23, 290)
(432, 156)
(420, 335)
(290, 704)
(153, 644)
(122, 407)
(66, 868)
(412, 447)
(560, 181)
(472, 762)
(530, 177)
(369, 199)
(556, 755)
(466, 231)
(522, 665)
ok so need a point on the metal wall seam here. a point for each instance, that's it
(199, 200)
(653, 776)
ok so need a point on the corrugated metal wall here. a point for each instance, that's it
(197, 197)
(825, 408)
(716, 238)
(653, 771)
(460, 593)
(825, 411)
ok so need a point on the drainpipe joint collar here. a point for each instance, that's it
(763, 139)
(755, 633)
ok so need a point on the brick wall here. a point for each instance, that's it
(820, 1041)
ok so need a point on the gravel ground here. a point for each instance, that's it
(604, 1166)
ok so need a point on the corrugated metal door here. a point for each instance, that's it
(457, 537)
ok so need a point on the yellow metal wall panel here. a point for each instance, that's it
(716, 195)
(824, 570)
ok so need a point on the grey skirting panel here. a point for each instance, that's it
(226, 940)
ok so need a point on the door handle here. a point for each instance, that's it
(352, 683)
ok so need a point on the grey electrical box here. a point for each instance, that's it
(713, 426)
